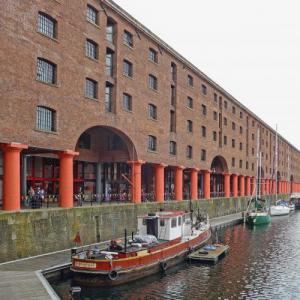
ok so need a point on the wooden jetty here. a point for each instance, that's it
(204, 254)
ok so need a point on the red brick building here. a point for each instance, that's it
(93, 101)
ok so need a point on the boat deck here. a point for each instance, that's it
(213, 256)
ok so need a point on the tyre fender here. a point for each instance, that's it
(113, 275)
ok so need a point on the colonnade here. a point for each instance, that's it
(234, 185)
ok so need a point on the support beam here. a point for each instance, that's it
(136, 171)
(66, 178)
(227, 185)
(253, 182)
(178, 183)
(194, 184)
(11, 176)
(248, 186)
(242, 185)
(235, 185)
(160, 182)
(206, 186)
(99, 187)
(24, 176)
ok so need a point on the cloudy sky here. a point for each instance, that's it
(250, 48)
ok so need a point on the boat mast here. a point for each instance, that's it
(289, 169)
(257, 165)
(276, 162)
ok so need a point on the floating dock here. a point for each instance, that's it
(206, 255)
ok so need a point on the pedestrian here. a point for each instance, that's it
(30, 195)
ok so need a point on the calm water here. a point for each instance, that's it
(263, 263)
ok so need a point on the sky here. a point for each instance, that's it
(250, 48)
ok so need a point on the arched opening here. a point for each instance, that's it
(218, 168)
(101, 170)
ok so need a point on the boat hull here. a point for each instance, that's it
(96, 278)
(258, 219)
(279, 210)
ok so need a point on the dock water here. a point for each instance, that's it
(24, 279)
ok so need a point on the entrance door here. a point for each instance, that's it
(152, 226)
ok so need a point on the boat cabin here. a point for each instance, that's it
(165, 225)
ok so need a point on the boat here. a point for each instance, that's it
(164, 239)
(259, 214)
(292, 206)
(295, 199)
(279, 209)
(258, 211)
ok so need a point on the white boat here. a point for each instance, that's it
(279, 209)
(292, 206)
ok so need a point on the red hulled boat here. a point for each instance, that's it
(165, 238)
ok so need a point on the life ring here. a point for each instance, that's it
(163, 266)
(113, 275)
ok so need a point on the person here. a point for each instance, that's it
(31, 194)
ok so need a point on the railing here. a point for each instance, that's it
(52, 200)
(217, 194)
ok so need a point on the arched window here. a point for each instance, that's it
(47, 25)
(46, 71)
(45, 119)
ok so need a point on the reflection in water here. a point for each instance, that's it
(263, 263)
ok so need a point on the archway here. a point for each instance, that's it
(218, 168)
(101, 171)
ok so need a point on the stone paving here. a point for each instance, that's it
(19, 279)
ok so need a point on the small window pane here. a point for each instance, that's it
(91, 49)
(127, 102)
(91, 88)
(152, 110)
(152, 55)
(189, 152)
(108, 97)
(109, 62)
(46, 25)
(110, 31)
(173, 222)
(189, 102)
(128, 38)
(45, 119)
(173, 148)
(92, 14)
(127, 68)
(152, 82)
(45, 71)
(152, 143)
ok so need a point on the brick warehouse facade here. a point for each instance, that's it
(92, 101)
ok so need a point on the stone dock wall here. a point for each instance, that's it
(33, 232)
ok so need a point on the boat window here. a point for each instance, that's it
(179, 221)
(144, 222)
(174, 222)
(183, 218)
(161, 222)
